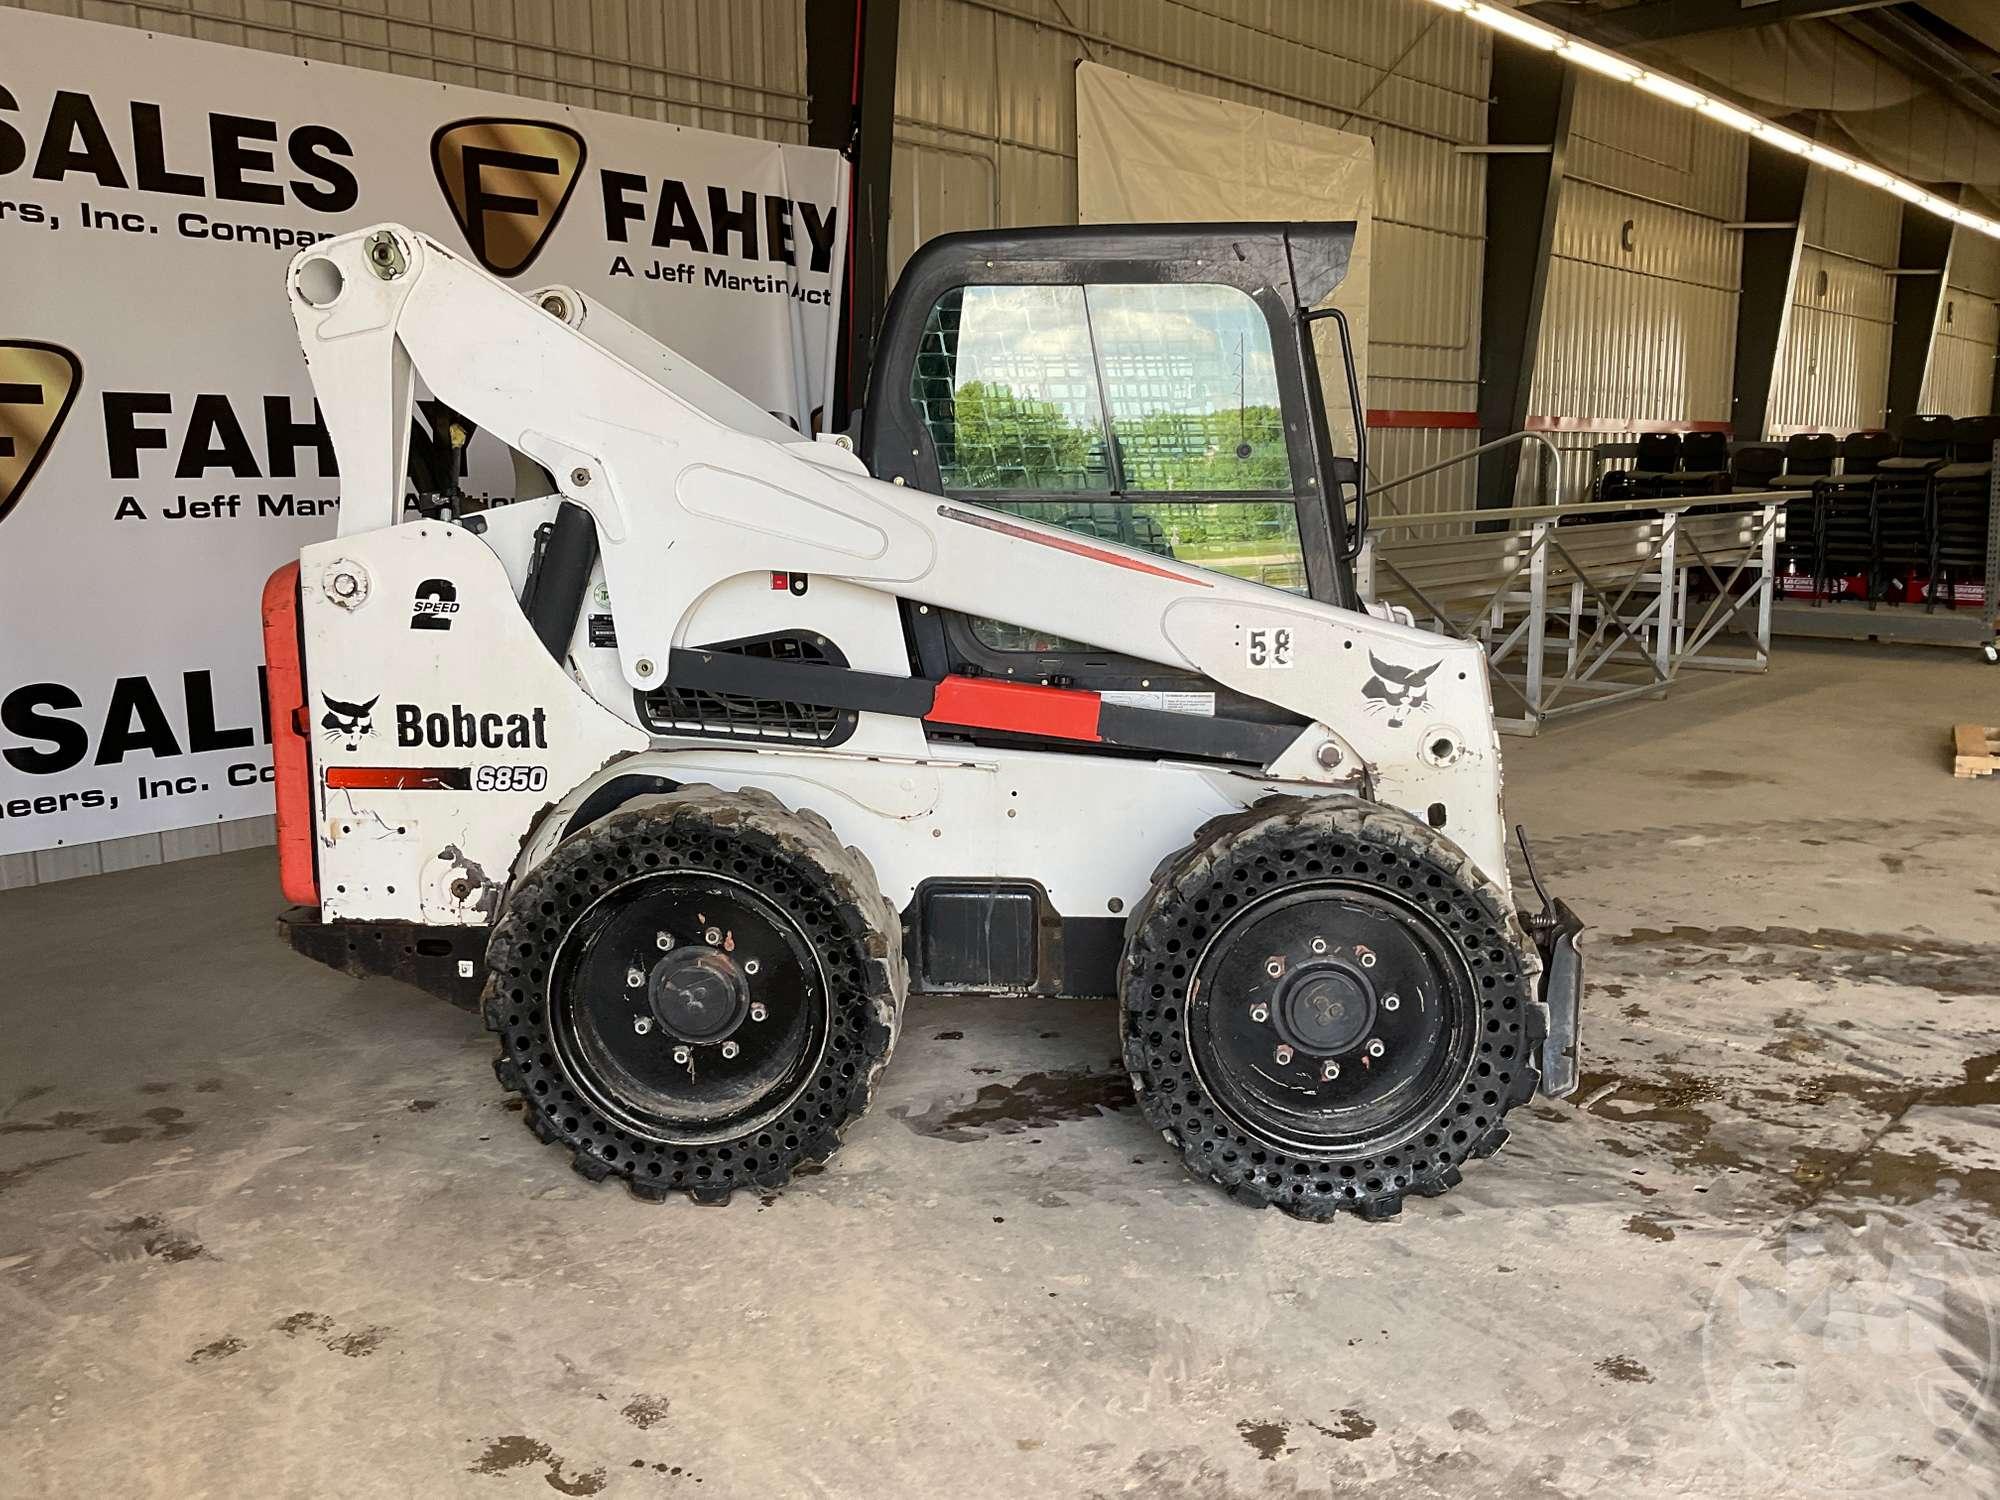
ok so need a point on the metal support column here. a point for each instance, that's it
(851, 108)
(1924, 255)
(1534, 95)
(1774, 195)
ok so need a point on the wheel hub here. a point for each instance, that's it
(1325, 1008)
(688, 1007)
(698, 995)
(1324, 1016)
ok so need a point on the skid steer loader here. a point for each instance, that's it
(687, 765)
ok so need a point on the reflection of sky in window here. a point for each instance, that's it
(1198, 348)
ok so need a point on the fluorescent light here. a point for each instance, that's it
(1833, 161)
(1518, 27)
(1735, 119)
(1607, 63)
(1611, 65)
(1672, 90)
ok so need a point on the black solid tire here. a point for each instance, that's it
(1286, 839)
(856, 935)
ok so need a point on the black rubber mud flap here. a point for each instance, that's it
(1562, 994)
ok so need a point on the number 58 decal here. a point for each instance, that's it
(1269, 646)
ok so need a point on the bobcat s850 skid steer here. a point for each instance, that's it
(690, 763)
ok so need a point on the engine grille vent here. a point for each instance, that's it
(733, 716)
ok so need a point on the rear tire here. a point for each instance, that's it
(696, 993)
(1327, 1007)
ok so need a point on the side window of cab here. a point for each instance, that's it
(1144, 414)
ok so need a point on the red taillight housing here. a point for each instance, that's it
(285, 690)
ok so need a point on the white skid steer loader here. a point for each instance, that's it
(690, 762)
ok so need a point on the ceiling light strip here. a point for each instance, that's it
(1513, 24)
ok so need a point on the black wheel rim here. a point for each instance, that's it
(726, 1026)
(1333, 1019)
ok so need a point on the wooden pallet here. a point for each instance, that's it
(1977, 750)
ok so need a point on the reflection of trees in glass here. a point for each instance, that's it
(1002, 441)
(1205, 451)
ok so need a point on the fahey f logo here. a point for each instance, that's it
(38, 385)
(507, 182)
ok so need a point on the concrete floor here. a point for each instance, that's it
(269, 1231)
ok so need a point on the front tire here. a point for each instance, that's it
(696, 993)
(1326, 1007)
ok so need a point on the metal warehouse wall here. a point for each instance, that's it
(734, 65)
(1640, 326)
(1959, 378)
(1833, 375)
(986, 135)
(731, 65)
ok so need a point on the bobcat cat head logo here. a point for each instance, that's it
(347, 724)
(1397, 691)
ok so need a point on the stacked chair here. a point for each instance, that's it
(1845, 545)
(1670, 467)
(1903, 505)
(1704, 465)
(1808, 458)
(1961, 500)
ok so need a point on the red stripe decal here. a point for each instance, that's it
(1019, 707)
(1070, 544)
(398, 778)
(1396, 417)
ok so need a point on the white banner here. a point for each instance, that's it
(1149, 153)
(160, 452)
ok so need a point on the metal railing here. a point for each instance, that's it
(1582, 606)
(1549, 458)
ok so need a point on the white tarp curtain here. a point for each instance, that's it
(1147, 153)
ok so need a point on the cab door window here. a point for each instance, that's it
(1143, 414)
(1005, 384)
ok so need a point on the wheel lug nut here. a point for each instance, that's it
(642, 1024)
(751, 967)
(635, 977)
(713, 937)
(730, 1049)
(1260, 1013)
(757, 1012)
(1283, 1054)
(1319, 945)
(1275, 967)
(1375, 1048)
(1390, 1002)
(1329, 1070)
(664, 939)
(681, 1055)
